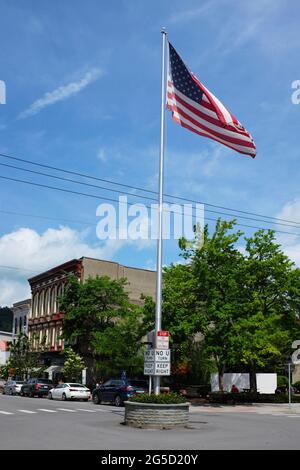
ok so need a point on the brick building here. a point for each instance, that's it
(46, 320)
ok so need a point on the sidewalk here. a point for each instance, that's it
(259, 408)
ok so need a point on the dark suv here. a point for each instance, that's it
(39, 387)
(117, 391)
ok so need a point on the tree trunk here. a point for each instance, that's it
(221, 378)
(253, 383)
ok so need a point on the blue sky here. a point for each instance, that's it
(83, 93)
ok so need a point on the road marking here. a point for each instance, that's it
(67, 409)
(27, 411)
(47, 411)
(88, 411)
(6, 413)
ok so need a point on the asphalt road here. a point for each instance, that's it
(39, 423)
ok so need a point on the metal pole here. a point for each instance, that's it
(150, 385)
(290, 395)
(160, 206)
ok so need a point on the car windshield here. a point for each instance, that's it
(77, 385)
(44, 381)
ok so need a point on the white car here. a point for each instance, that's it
(13, 387)
(69, 391)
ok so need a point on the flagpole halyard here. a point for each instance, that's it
(158, 308)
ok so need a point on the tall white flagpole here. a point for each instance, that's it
(160, 206)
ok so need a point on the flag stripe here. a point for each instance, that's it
(188, 125)
(199, 118)
(222, 135)
(195, 108)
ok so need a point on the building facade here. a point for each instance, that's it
(45, 321)
(21, 311)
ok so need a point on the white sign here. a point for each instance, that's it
(157, 355)
(162, 342)
(157, 362)
(149, 368)
(162, 368)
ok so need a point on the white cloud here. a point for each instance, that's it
(192, 14)
(102, 155)
(290, 243)
(12, 290)
(33, 253)
(61, 93)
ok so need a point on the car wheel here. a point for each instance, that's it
(50, 396)
(118, 401)
(10, 392)
(31, 394)
(21, 393)
(96, 399)
(64, 397)
(3, 392)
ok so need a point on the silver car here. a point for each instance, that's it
(12, 387)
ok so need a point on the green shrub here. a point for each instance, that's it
(282, 381)
(297, 386)
(162, 399)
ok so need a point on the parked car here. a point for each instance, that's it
(117, 391)
(2, 384)
(70, 391)
(36, 386)
(13, 387)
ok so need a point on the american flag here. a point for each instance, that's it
(194, 107)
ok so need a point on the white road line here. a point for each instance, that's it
(67, 409)
(6, 413)
(47, 411)
(28, 411)
(88, 411)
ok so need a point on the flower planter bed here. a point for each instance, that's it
(156, 416)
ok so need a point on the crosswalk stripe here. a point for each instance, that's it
(6, 413)
(88, 411)
(47, 411)
(67, 409)
(27, 411)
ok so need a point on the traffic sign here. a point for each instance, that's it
(162, 340)
(157, 362)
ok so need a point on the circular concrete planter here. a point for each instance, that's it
(152, 415)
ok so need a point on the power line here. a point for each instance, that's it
(146, 190)
(44, 217)
(17, 269)
(115, 200)
(140, 196)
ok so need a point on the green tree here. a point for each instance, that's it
(269, 306)
(73, 365)
(120, 346)
(93, 311)
(183, 314)
(251, 298)
(22, 358)
(215, 263)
